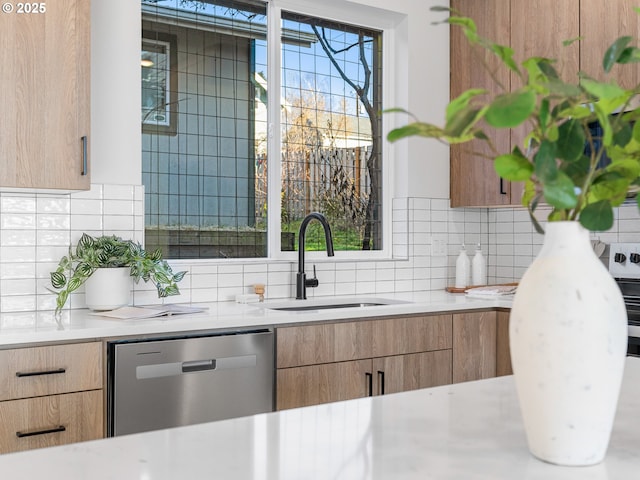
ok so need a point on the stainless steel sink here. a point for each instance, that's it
(329, 303)
(301, 308)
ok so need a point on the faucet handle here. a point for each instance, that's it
(312, 282)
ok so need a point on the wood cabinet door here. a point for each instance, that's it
(324, 343)
(401, 373)
(503, 354)
(473, 180)
(52, 420)
(45, 96)
(538, 28)
(421, 333)
(48, 370)
(316, 384)
(601, 23)
(474, 346)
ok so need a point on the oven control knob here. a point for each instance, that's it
(634, 258)
(620, 258)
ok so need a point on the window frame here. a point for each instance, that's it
(361, 16)
(367, 16)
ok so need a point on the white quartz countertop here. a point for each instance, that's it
(465, 431)
(26, 328)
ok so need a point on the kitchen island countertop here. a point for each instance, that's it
(30, 328)
(464, 431)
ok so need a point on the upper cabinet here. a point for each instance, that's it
(45, 95)
(536, 27)
(600, 24)
(474, 182)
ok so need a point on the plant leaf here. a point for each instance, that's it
(602, 90)
(511, 109)
(514, 167)
(417, 128)
(546, 168)
(597, 216)
(58, 280)
(560, 192)
(462, 122)
(571, 138)
(462, 101)
(505, 54)
(614, 52)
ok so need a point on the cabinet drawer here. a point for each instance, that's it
(326, 343)
(49, 421)
(423, 333)
(39, 371)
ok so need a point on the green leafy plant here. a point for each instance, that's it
(110, 252)
(552, 160)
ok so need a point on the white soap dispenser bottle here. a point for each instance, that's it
(479, 268)
(463, 269)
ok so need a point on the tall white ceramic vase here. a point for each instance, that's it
(568, 339)
(108, 288)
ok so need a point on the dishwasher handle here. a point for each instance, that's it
(198, 365)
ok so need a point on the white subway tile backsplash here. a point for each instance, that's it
(17, 203)
(118, 207)
(18, 221)
(36, 229)
(83, 206)
(118, 192)
(53, 237)
(17, 270)
(86, 223)
(17, 237)
(53, 222)
(118, 224)
(17, 254)
(52, 204)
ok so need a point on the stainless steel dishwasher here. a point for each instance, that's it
(162, 383)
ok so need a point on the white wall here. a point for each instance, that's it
(115, 92)
(422, 67)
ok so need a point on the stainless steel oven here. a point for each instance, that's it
(624, 265)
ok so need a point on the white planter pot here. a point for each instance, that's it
(108, 288)
(568, 339)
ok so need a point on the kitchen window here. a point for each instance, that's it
(219, 183)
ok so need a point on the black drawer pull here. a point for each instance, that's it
(84, 169)
(381, 380)
(42, 372)
(32, 433)
(369, 378)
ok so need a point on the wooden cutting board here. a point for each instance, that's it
(464, 289)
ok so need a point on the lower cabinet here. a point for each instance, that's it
(344, 360)
(332, 382)
(412, 371)
(316, 384)
(503, 354)
(341, 361)
(51, 420)
(474, 345)
(51, 395)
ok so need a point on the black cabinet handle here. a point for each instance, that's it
(369, 377)
(43, 372)
(381, 380)
(84, 156)
(32, 433)
(502, 190)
